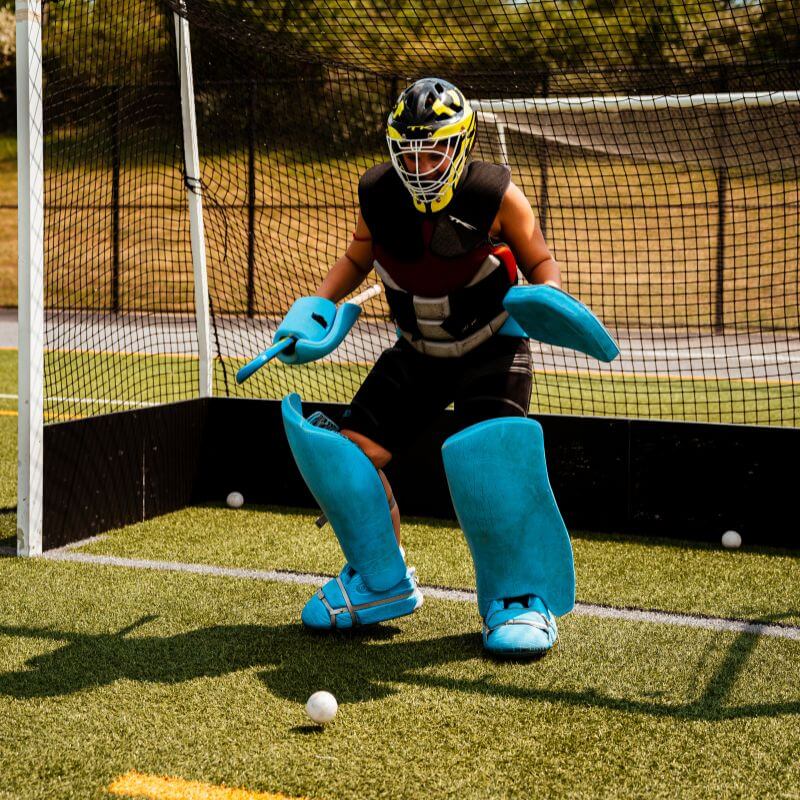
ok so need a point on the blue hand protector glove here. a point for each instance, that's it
(550, 315)
(317, 326)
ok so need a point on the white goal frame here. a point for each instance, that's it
(30, 165)
(30, 169)
(491, 111)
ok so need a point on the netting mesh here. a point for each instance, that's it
(678, 225)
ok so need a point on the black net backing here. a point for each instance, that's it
(677, 222)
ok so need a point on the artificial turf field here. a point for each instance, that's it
(113, 678)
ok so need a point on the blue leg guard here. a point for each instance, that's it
(375, 584)
(498, 481)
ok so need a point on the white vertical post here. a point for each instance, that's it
(195, 199)
(30, 190)
(501, 139)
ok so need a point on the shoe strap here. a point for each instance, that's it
(544, 625)
(352, 609)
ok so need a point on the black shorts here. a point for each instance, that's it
(406, 390)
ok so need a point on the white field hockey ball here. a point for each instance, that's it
(235, 500)
(322, 707)
(731, 540)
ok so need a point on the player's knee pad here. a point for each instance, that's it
(346, 485)
(498, 481)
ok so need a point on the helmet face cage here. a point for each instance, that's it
(430, 134)
(429, 167)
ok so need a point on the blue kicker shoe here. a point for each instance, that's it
(519, 626)
(344, 602)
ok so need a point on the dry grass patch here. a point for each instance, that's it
(637, 241)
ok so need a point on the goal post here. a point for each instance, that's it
(745, 141)
(30, 165)
(194, 194)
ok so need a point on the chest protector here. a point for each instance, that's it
(445, 278)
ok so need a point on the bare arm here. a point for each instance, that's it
(351, 269)
(516, 226)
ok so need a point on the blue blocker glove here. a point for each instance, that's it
(317, 326)
(312, 328)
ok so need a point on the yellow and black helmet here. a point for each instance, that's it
(431, 131)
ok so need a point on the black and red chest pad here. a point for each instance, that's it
(435, 276)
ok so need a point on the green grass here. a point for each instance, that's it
(161, 379)
(8, 449)
(105, 670)
(8, 481)
(8, 149)
(611, 570)
(702, 400)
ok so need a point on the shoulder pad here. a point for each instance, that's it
(373, 176)
(484, 187)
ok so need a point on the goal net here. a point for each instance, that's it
(201, 158)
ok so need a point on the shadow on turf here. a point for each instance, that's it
(710, 705)
(356, 667)
(307, 730)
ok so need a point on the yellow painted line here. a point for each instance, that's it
(50, 418)
(93, 352)
(156, 787)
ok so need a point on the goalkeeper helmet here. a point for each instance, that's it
(431, 131)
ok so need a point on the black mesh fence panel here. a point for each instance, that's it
(118, 270)
(657, 143)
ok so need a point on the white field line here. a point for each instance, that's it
(439, 593)
(715, 355)
(88, 401)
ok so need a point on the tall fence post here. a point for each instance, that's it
(544, 160)
(114, 111)
(721, 171)
(251, 200)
